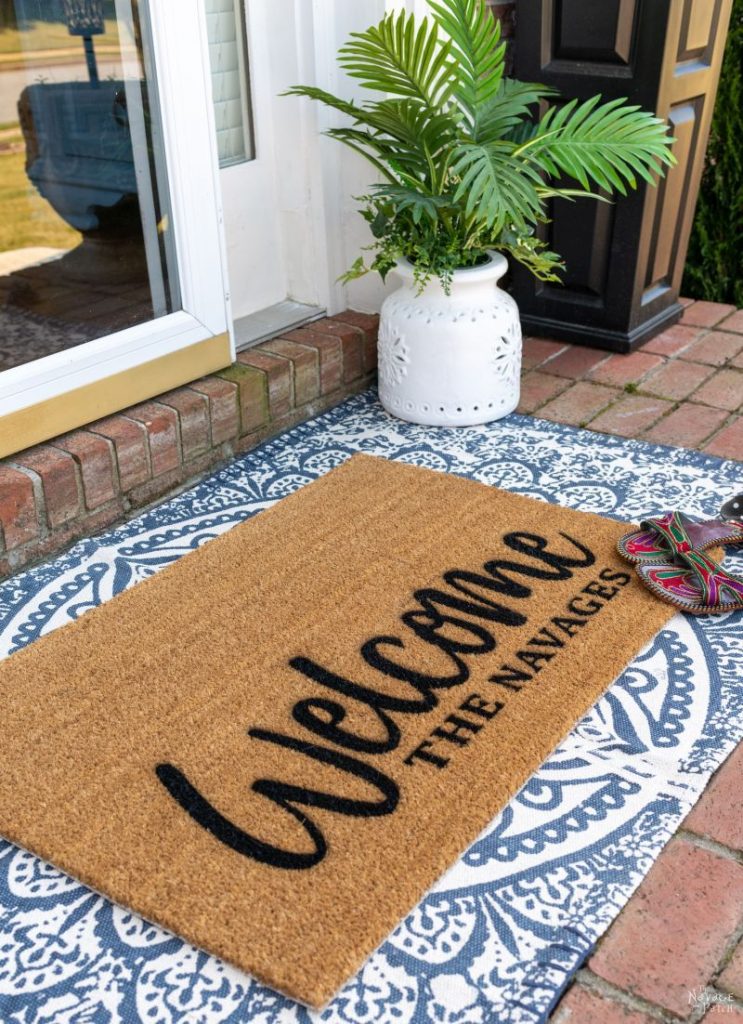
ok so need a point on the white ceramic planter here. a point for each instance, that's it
(450, 360)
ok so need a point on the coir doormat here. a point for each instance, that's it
(276, 745)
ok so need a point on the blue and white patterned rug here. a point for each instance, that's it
(499, 937)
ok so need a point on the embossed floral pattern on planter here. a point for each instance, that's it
(507, 354)
(499, 936)
(393, 353)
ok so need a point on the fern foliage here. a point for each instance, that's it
(467, 158)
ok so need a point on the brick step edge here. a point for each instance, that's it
(85, 481)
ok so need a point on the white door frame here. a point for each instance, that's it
(184, 88)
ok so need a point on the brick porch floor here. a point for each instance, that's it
(682, 931)
(684, 388)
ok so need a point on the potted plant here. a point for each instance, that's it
(467, 170)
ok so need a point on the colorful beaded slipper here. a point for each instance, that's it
(668, 534)
(695, 584)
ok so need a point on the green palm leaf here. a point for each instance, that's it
(402, 59)
(504, 113)
(604, 143)
(467, 165)
(402, 198)
(498, 190)
(392, 162)
(477, 49)
(405, 133)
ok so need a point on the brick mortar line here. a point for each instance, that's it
(733, 942)
(621, 391)
(710, 845)
(145, 437)
(82, 496)
(42, 516)
(599, 986)
(585, 978)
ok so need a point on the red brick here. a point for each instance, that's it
(538, 388)
(224, 411)
(329, 352)
(619, 370)
(252, 385)
(581, 1006)
(672, 934)
(723, 391)
(352, 341)
(631, 415)
(686, 302)
(162, 433)
(728, 444)
(357, 351)
(738, 361)
(575, 362)
(369, 324)
(731, 979)
(95, 459)
(719, 813)
(130, 442)
(676, 379)
(58, 473)
(537, 350)
(279, 374)
(672, 341)
(706, 314)
(733, 323)
(688, 426)
(18, 517)
(193, 413)
(715, 348)
(578, 404)
(305, 367)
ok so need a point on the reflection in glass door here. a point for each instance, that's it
(86, 233)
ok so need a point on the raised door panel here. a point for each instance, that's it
(601, 32)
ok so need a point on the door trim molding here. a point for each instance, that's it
(60, 413)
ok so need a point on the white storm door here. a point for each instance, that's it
(258, 48)
(118, 136)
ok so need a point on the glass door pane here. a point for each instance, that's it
(86, 233)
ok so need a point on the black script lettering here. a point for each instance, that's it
(457, 578)
(587, 609)
(377, 701)
(534, 659)
(204, 814)
(534, 546)
(309, 713)
(427, 622)
(457, 734)
(422, 753)
(421, 682)
(509, 676)
(611, 576)
(568, 625)
(478, 706)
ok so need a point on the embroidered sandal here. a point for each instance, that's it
(694, 584)
(667, 535)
